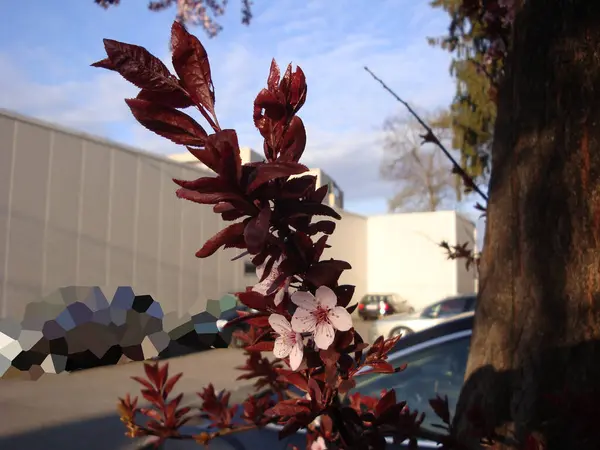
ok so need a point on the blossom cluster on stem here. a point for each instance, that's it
(317, 316)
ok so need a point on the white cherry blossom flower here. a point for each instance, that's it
(320, 316)
(318, 444)
(288, 342)
(264, 286)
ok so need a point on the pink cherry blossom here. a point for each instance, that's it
(318, 444)
(320, 316)
(263, 286)
(288, 342)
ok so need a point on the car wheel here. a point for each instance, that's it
(400, 331)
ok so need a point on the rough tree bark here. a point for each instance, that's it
(537, 326)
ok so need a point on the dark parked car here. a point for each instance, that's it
(374, 306)
(436, 359)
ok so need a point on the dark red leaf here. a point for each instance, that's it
(214, 198)
(143, 382)
(260, 321)
(225, 144)
(287, 408)
(290, 427)
(263, 346)
(319, 247)
(174, 99)
(168, 122)
(222, 207)
(323, 226)
(163, 375)
(151, 396)
(138, 66)
(441, 408)
(296, 209)
(298, 187)
(293, 86)
(223, 237)
(387, 401)
(151, 414)
(208, 156)
(257, 230)
(534, 443)
(347, 385)
(319, 195)
(329, 357)
(170, 384)
(274, 75)
(294, 378)
(151, 370)
(326, 272)
(352, 308)
(205, 184)
(105, 64)
(268, 108)
(344, 294)
(273, 170)
(379, 367)
(191, 64)
(314, 390)
(294, 141)
(252, 300)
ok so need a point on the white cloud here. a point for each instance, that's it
(88, 105)
(329, 40)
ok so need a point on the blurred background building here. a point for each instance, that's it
(80, 210)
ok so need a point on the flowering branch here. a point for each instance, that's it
(272, 208)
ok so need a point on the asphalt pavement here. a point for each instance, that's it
(78, 411)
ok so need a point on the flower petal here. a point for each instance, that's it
(279, 296)
(324, 334)
(264, 286)
(326, 297)
(296, 354)
(318, 444)
(304, 300)
(303, 321)
(340, 318)
(282, 347)
(279, 323)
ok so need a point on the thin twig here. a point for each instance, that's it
(431, 137)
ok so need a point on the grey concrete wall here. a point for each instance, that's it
(78, 210)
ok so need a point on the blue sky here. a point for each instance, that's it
(45, 54)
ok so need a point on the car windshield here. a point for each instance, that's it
(447, 307)
(436, 370)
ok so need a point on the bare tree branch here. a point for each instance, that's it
(431, 137)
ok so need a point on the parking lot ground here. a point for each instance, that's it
(78, 411)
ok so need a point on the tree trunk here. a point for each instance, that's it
(534, 366)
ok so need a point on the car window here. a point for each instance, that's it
(439, 369)
(431, 311)
(371, 299)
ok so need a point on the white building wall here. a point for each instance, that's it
(466, 232)
(404, 257)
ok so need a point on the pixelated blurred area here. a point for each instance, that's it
(78, 327)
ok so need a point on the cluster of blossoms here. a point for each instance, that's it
(317, 315)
